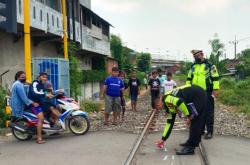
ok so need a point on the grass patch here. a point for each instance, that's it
(236, 93)
(91, 106)
(180, 78)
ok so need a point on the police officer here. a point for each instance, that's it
(204, 74)
(191, 102)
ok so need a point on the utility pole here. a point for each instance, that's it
(65, 38)
(235, 49)
(27, 49)
(234, 42)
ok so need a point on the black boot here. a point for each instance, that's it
(188, 150)
(185, 144)
(209, 135)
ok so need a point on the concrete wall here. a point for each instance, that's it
(88, 90)
(85, 62)
(12, 55)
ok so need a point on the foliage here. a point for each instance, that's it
(116, 49)
(140, 76)
(3, 116)
(93, 76)
(217, 51)
(180, 78)
(221, 66)
(2, 98)
(129, 59)
(185, 67)
(229, 97)
(91, 106)
(144, 62)
(236, 93)
(227, 83)
(244, 63)
(75, 72)
(245, 109)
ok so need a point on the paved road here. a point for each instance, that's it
(149, 154)
(95, 148)
(112, 147)
(228, 150)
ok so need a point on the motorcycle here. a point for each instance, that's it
(72, 118)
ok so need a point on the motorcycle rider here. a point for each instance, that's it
(37, 94)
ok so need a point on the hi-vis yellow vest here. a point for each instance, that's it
(204, 75)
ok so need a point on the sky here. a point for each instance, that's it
(172, 28)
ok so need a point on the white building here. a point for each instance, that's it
(85, 27)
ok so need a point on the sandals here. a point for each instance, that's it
(40, 141)
(106, 123)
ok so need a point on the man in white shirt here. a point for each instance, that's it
(169, 84)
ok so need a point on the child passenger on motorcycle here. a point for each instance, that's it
(51, 102)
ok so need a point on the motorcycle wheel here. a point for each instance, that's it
(19, 135)
(79, 125)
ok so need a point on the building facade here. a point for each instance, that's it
(84, 27)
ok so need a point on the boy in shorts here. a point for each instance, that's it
(155, 86)
(113, 89)
(134, 90)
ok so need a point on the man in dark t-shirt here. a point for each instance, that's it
(134, 90)
(155, 85)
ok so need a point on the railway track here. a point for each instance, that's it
(149, 127)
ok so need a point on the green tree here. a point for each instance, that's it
(144, 62)
(75, 72)
(116, 49)
(217, 51)
(244, 63)
(185, 67)
(129, 59)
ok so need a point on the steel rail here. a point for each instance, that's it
(137, 145)
(203, 154)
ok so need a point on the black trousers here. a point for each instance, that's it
(209, 117)
(196, 127)
(154, 95)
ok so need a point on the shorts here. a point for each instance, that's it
(133, 96)
(46, 105)
(112, 104)
(36, 110)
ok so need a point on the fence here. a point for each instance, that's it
(57, 69)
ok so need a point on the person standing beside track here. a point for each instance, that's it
(134, 90)
(155, 85)
(204, 74)
(191, 102)
(112, 91)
